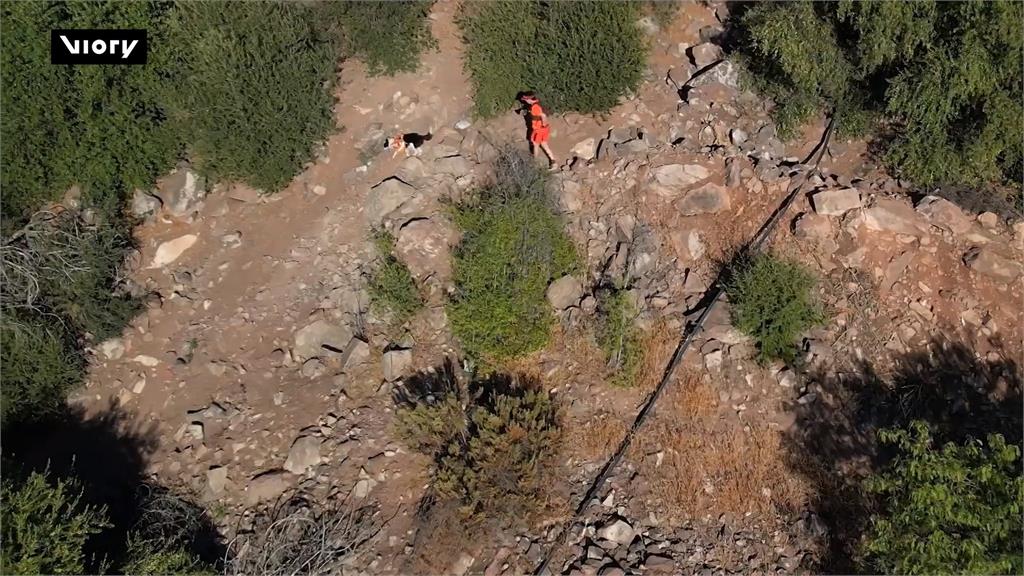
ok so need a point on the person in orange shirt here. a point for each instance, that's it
(538, 129)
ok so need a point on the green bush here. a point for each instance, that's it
(772, 301)
(392, 287)
(580, 56)
(255, 94)
(618, 337)
(513, 246)
(45, 527)
(102, 127)
(41, 364)
(950, 510)
(947, 75)
(388, 36)
(494, 446)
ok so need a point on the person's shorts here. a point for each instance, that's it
(540, 135)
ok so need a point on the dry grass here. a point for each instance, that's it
(658, 344)
(712, 466)
(597, 436)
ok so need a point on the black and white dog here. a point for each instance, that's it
(411, 142)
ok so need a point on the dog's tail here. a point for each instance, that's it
(428, 135)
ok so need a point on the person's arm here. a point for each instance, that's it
(543, 119)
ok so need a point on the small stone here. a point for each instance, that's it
(585, 149)
(707, 199)
(217, 480)
(463, 124)
(303, 455)
(319, 190)
(618, 531)
(145, 204)
(139, 386)
(232, 240)
(196, 431)
(113, 348)
(363, 487)
(462, 564)
(267, 486)
(836, 202)
(171, 250)
(705, 54)
(565, 292)
(713, 360)
(676, 176)
(147, 361)
(396, 363)
(320, 337)
(989, 220)
(738, 136)
(313, 368)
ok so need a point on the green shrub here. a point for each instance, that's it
(392, 287)
(388, 36)
(513, 246)
(103, 127)
(772, 301)
(618, 337)
(494, 452)
(255, 96)
(950, 510)
(45, 527)
(947, 75)
(581, 56)
(41, 364)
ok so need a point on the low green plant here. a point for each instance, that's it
(618, 337)
(955, 509)
(392, 288)
(494, 446)
(388, 36)
(513, 246)
(41, 365)
(256, 89)
(578, 56)
(146, 557)
(46, 527)
(772, 301)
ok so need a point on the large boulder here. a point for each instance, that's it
(944, 214)
(454, 165)
(319, 338)
(565, 292)
(423, 246)
(707, 199)
(385, 198)
(889, 215)
(619, 532)
(303, 455)
(181, 191)
(992, 264)
(396, 363)
(585, 149)
(145, 204)
(705, 54)
(836, 202)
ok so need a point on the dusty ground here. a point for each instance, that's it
(222, 329)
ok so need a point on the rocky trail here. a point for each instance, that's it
(261, 368)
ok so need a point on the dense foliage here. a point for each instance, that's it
(101, 127)
(392, 288)
(950, 509)
(45, 527)
(255, 93)
(493, 444)
(772, 301)
(513, 246)
(580, 56)
(947, 75)
(388, 36)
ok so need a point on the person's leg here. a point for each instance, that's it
(548, 153)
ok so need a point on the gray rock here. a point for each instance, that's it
(569, 196)
(888, 215)
(396, 363)
(585, 149)
(944, 214)
(267, 486)
(679, 175)
(686, 243)
(303, 455)
(618, 531)
(454, 165)
(738, 136)
(217, 480)
(836, 202)
(423, 246)
(565, 292)
(724, 73)
(363, 487)
(635, 146)
(705, 54)
(145, 204)
(313, 368)
(385, 198)
(992, 264)
(659, 563)
(321, 337)
(813, 226)
(181, 191)
(358, 355)
(707, 199)
(989, 220)
(462, 564)
(611, 571)
(463, 124)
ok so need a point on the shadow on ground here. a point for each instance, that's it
(834, 443)
(105, 454)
